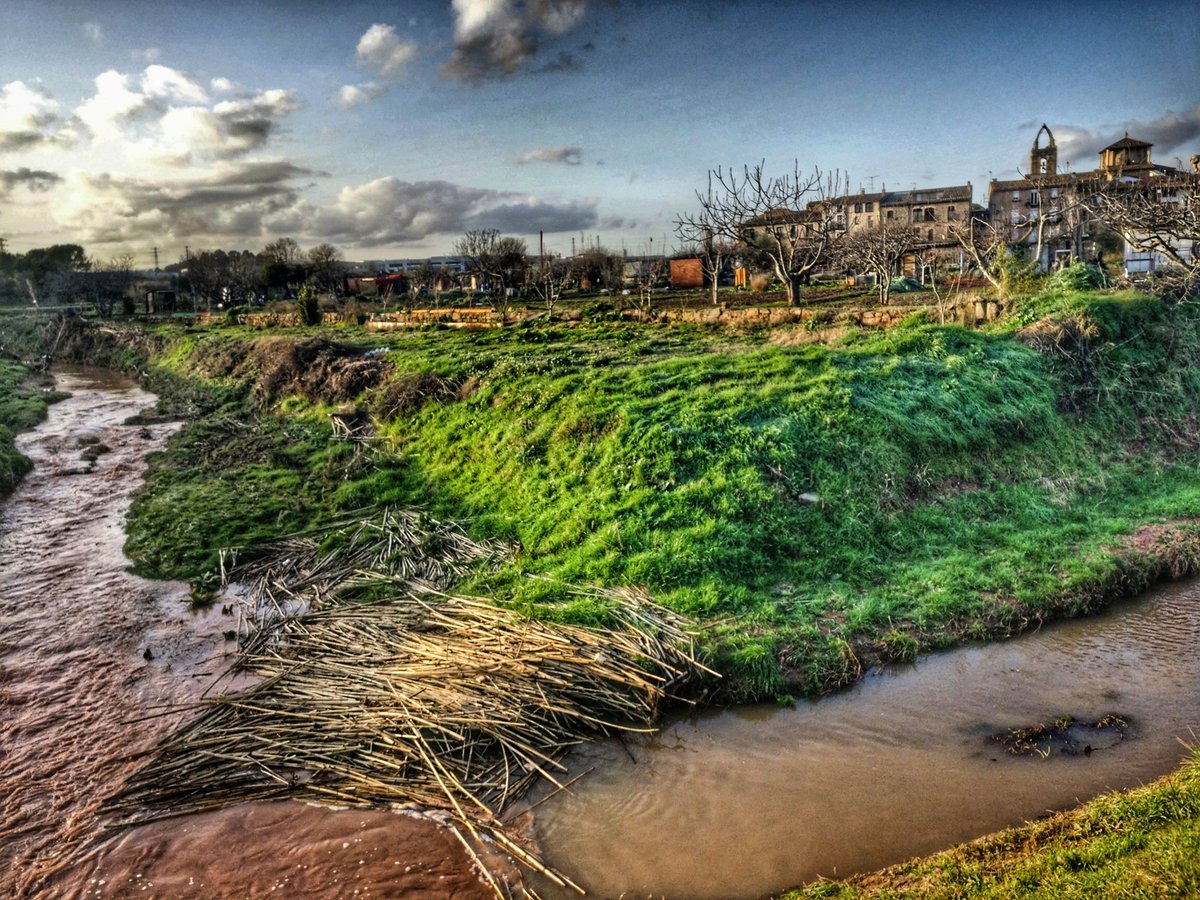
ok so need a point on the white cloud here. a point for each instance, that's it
(148, 55)
(94, 32)
(352, 95)
(567, 156)
(28, 116)
(165, 117)
(223, 86)
(382, 48)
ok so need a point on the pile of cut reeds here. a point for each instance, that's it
(416, 698)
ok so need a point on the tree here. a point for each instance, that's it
(1162, 219)
(325, 264)
(989, 246)
(879, 250)
(424, 278)
(779, 216)
(713, 250)
(500, 261)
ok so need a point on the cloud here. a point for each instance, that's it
(1169, 132)
(495, 38)
(569, 156)
(249, 201)
(382, 48)
(352, 95)
(36, 180)
(389, 211)
(223, 86)
(229, 201)
(165, 116)
(149, 55)
(94, 32)
(28, 116)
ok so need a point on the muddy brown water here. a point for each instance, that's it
(753, 800)
(725, 804)
(94, 665)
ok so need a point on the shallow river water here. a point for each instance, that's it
(94, 664)
(753, 800)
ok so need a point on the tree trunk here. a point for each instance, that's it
(793, 290)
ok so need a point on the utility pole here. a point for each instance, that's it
(3, 245)
(155, 260)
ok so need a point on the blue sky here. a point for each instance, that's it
(388, 129)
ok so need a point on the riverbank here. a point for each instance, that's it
(1140, 843)
(819, 508)
(825, 508)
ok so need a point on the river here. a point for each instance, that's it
(95, 665)
(753, 800)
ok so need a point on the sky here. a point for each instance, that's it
(391, 128)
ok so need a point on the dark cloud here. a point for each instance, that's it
(391, 211)
(231, 202)
(495, 38)
(567, 156)
(1169, 133)
(37, 180)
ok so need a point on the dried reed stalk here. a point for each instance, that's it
(377, 688)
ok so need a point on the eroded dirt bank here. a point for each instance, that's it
(94, 663)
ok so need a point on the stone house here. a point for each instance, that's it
(1045, 210)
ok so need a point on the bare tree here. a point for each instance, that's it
(987, 245)
(780, 216)
(499, 260)
(879, 250)
(1161, 218)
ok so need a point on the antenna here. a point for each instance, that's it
(871, 178)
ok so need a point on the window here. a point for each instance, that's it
(917, 215)
(858, 207)
(930, 215)
(931, 234)
(1033, 199)
(951, 215)
(890, 214)
(1016, 217)
(870, 207)
(1016, 196)
(1043, 165)
(1054, 192)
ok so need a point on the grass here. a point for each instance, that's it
(1143, 843)
(22, 405)
(821, 508)
(818, 508)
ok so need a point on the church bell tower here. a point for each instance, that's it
(1043, 161)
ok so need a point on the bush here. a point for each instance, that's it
(1078, 277)
(306, 304)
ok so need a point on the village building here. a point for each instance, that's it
(1047, 211)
